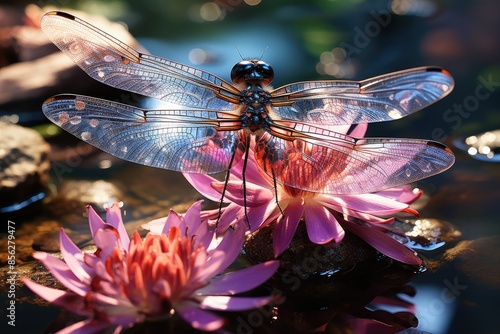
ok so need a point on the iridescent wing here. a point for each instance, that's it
(314, 159)
(383, 98)
(114, 63)
(192, 141)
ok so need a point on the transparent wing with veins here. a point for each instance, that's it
(315, 159)
(205, 135)
(114, 63)
(192, 141)
(382, 98)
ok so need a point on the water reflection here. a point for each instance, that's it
(484, 146)
(466, 32)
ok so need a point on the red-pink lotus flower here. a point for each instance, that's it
(325, 215)
(128, 281)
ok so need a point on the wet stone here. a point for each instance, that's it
(312, 276)
(318, 259)
(24, 168)
(425, 234)
(477, 259)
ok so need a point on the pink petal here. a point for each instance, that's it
(204, 236)
(226, 252)
(405, 194)
(286, 225)
(231, 303)
(231, 215)
(235, 214)
(384, 243)
(73, 257)
(191, 219)
(241, 280)
(203, 183)
(199, 319)
(322, 226)
(95, 222)
(257, 215)
(254, 194)
(100, 270)
(88, 326)
(368, 218)
(155, 226)
(107, 239)
(114, 218)
(253, 173)
(62, 273)
(173, 219)
(67, 300)
(368, 203)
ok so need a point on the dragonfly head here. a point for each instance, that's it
(252, 71)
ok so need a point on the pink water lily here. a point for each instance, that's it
(129, 281)
(326, 216)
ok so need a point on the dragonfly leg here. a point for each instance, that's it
(276, 193)
(243, 177)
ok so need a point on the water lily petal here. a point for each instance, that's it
(191, 219)
(368, 203)
(155, 226)
(230, 216)
(241, 280)
(114, 218)
(384, 243)
(404, 193)
(89, 326)
(226, 252)
(203, 183)
(107, 239)
(198, 318)
(204, 235)
(62, 273)
(286, 225)
(95, 222)
(231, 303)
(322, 226)
(257, 215)
(255, 195)
(64, 299)
(73, 257)
(252, 172)
(366, 217)
(235, 214)
(173, 219)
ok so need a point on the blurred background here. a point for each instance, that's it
(303, 40)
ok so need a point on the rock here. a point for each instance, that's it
(306, 258)
(32, 68)
(477, 260)
(313, 276)
(24, 167)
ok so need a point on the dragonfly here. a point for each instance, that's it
(213, 124)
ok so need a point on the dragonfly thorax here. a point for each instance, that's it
(253, 76)
(254, 118)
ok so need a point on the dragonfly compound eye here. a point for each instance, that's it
(241, 70)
